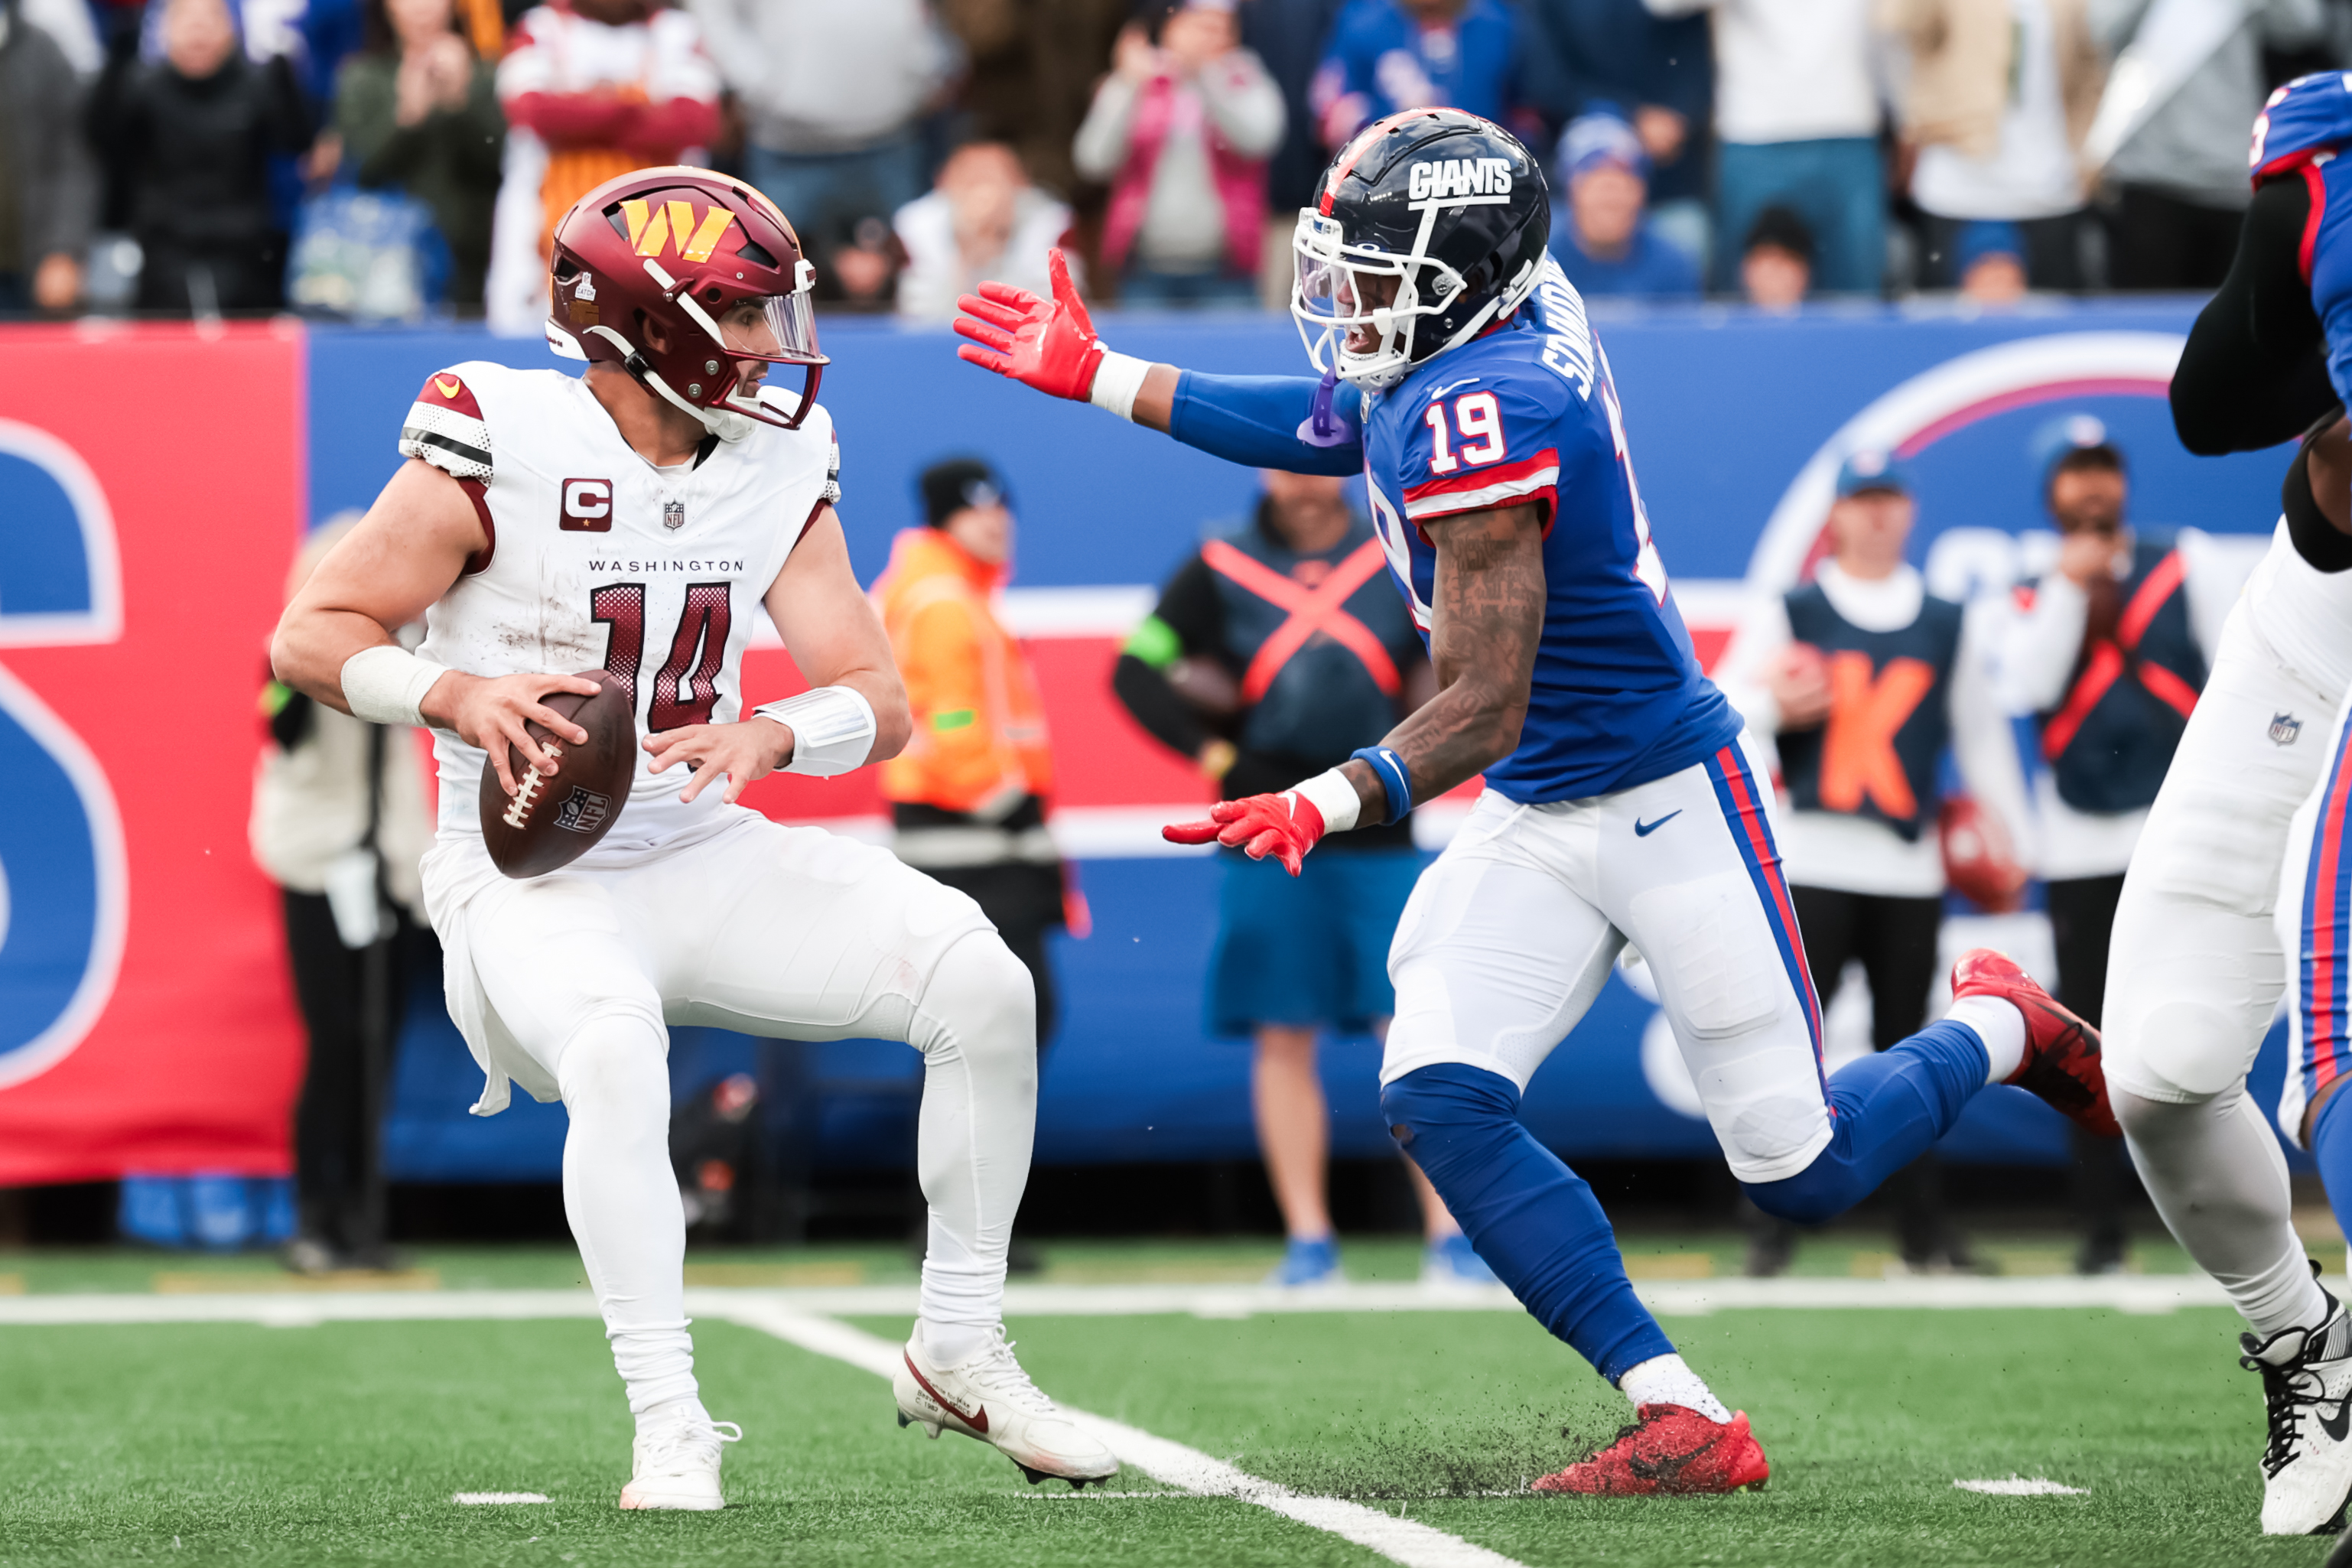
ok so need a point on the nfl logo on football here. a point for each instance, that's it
(673, 515)
(581, 811)
(2284, 727)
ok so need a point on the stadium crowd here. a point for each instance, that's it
(383, 159)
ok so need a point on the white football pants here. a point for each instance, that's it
(1510, 934)
(2197, 968)
(785, 931)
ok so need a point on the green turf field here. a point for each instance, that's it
(345, 1442)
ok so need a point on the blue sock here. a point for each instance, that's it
(2331, 1145)
(1531, 1218)
(1886, 1109)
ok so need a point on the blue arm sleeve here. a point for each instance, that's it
(1254, 419)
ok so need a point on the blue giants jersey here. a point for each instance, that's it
(2301, 133)
(1527, 414)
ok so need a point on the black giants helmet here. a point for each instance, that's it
(1430, 226)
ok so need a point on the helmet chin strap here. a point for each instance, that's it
(726, 426)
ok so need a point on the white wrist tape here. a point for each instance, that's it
(832, 730)
(384, 685)
(1117, 381)
(1335, 796)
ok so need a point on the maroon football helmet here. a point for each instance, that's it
(712, 263)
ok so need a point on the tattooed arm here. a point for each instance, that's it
(1490, 613)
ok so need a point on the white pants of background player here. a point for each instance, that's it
(566, 982)
(2195, 968)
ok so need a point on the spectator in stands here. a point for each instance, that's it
(1212, 675)
(2000, 95)
(1287, 37)
(1796, 118)
(1776, 261)
(982, 219)
(1989, 259)
(190, 139)
(1582, 54)
(1600, 234)
(71, 27)
(2109, 656)
(832, 93)
(969, 794)
(1033, 66)
(2181, 173)
(592, 89)
(418, 112)
(1863, 680)
(340, 823)
(49, 193)
(1181, 130)
(1387, 55)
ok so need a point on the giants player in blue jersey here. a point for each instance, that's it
(2240, 892)
(1622, 801)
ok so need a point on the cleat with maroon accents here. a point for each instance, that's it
(2062, 1052)
(1669, 1449)
(989, 1397)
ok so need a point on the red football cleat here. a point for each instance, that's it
(1670, 1448)
(2062, 1052)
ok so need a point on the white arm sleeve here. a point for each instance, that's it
(385, 684)
(1984, 742)
(1744, 675)
(832, 730)
(2039, 652)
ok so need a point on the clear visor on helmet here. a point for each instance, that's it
(778, 328)
(1355, 305)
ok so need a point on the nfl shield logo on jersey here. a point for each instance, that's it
(2284, 727)
(673, 515)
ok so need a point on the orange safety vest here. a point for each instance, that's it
(980, 742)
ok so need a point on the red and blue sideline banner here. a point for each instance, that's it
(151, 495)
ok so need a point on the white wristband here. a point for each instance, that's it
(832, 730)
(384, 685)
(1117, 381)
(1333, 794)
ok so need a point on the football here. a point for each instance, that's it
(1978, 860)
(549, 822)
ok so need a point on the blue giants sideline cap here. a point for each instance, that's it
(1871, 469)
(2063, 437)
(1592, 140)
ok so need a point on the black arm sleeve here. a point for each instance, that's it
(1168, 718)
(2254, 373)
(1190, 608)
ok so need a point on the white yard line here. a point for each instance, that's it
(2136, 1294)
(1399, 1540)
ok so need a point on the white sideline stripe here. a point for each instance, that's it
(1404, 1541)
(478, 1499)
(2136, 1294)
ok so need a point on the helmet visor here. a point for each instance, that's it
(780, 329)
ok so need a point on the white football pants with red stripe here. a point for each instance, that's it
(1511, 933)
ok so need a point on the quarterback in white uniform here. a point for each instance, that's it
(633, 522)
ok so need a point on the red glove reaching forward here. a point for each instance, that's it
(1048, 345)
(1284, 825)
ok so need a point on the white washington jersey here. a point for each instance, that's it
(599, 560)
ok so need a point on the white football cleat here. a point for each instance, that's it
(2307, 1389)
(678, 1466)
(990, 1398)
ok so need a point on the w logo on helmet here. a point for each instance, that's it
(655, 229)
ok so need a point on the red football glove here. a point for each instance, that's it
(1284, 825)
(1048, 345)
